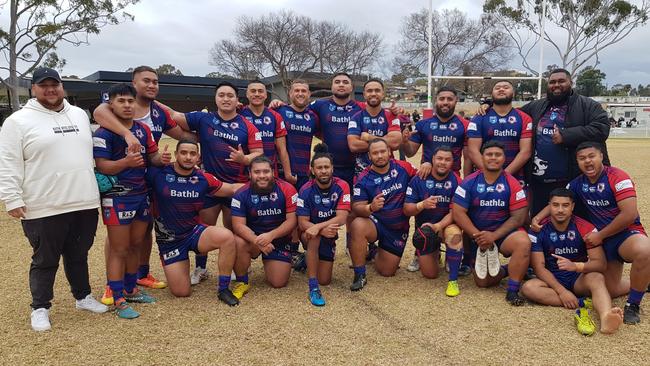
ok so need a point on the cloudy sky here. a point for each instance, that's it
(181, 33)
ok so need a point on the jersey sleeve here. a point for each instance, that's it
(303, 204)
(194, 120)
(463, 194)
(214, 184)
(354, 126)
(169, 121)
(238, 204)
(359, 192)
(474, 127)
(573, 186)
(393, 121)
(102, 144)
(410, 169)
(413, 191)
(526, 125)
(316, 122)
(621, 184)
(466, 126)
(290, 195)
(535, 241)
(344, 201)
(418, 133)
(152, 147)
(254, 135)
(280, 127)
(150, 175)
(517, 194)
(584, 227)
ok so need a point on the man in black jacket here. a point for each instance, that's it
(561, 121)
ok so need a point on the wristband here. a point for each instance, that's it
(580, 267)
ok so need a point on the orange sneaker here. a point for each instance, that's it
(107, 298)
(151, 282)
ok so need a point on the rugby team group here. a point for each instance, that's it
(538, 188)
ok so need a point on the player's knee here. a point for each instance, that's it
(386, 271)
(430, 274)
(277, 282)
(528, 288)
(324, 280)
(594, 278)
(454, 242)
(181, 291)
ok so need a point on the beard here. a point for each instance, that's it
(503, 101)
(560, 99)
(380, 166)
(374, 103)
(324, 180)
(442, 114)
(342, 95)
(263, 191)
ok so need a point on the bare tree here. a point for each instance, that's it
(284, 42)
(586, 28)
(460, 45)
(37, 27)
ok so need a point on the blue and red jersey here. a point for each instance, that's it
(432, 133)
(508, 130)
(420, 189)
(158, 120)
(550, 161)
(379, 125)
(489, 205)
(216, 136)
(321, 205)
(271, 126)
(177, 200)
(264, 212)
(393, 186)
(334, 120)
(301, 128)
(569, 243)
(601, 198)
(111, 146)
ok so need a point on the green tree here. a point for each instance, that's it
(168, 69)
(37, 27)
(581, 29)
(590, 82)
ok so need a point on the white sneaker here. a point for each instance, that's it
(481, 264)
(493, 264)
(41, 320)
(89, 303)
(414, 266)
(199, 275)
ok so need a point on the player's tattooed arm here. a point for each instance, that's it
(178, 117)
(105, 117)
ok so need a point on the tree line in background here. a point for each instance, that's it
(290, 45)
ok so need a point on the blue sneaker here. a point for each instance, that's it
(464, 270)
(139, 296)
(316, 298)
(124, 311)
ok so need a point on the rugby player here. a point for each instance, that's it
(323, 207)
(609, 196)
(429, 200)
(566, 268)
(490, 207)
(379, 194)
(228, 144)
(125, 207)
(178, 193)
(263, 217)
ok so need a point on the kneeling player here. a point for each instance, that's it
(566, 267)
(263, 217)
(429, 201)
(379, 194)
(323, 207)
(179, 191)
(490, 206)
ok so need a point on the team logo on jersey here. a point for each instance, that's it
(493, 119)
(409, 191)
(571, 235)
(289, 114)
(224, 125)
(381, 120)
(448, 184)
(429, 184)
(332, 107)
(553, 116)
(300, 202)
(443, 126)
(438, 185)
(453, 126)
(326, 201)
(562, 236)
(170, 178)
(585, 187)
(377, 180)
(264, 198)
(490, 188)
(267, 120)
(307, 117)
(480, 188)
(600, 187)
(393, 173)
(512, 119)
(181, 180)
(234, 125)
(366, 120)
(472, 126)
(139, 134)
(624, 184)
(348, 108)
(502, 120)
(553, 236)
(386, 178)
(500, 187)
(273, 196)
(155, 113)
(433, 125)
(334, 196)
(255, 199)
(194, 179)
(592, 189)
(317, 199)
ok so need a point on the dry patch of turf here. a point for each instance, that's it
(405, 319)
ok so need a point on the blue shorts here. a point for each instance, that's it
(282, 251)
(326, 249)
(391, 241)
(566, 278)
(122, 210)
(611, 244)
(498, 243)
(210, 201)
(347, 174)
(177, 251)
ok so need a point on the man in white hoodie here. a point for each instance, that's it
(47, 180)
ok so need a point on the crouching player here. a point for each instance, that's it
(323, 207)
(429, 200)
(263, 217)
(566, 267)
(179, 191)
(379, 194)
(490, 206)
(125, 208)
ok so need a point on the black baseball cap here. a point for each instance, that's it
(45, 73)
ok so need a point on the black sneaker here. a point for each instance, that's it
(464, 270)
(228, 298)
(530, 274)
(359, 281)
(514, 299)
(631, 314)
(299, 262)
